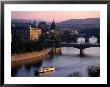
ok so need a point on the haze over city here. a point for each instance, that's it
(55, 44)
(56, 15)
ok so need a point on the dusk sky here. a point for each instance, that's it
(56, 15)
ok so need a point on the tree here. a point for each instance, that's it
(43, 26)
(22, 45)
(40, 43)
(33, 24)
(67, 35)
(53, 25)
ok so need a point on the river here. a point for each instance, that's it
(65, 64)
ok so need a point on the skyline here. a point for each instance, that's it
(56, 15)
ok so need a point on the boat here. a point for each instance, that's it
(45, 69)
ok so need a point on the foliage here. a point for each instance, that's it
(43, 26)
(74, 74)
(93, 71)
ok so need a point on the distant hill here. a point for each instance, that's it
(87, 23)
(28, 21)
(81, 23)
(25, 20)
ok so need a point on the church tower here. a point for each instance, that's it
(53, 25)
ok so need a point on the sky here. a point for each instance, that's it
(56, 15)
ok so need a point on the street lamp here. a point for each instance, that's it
(52, 31)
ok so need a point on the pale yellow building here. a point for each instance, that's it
(35, 33)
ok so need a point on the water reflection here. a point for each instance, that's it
(36, 65)
(26, 67)
(65, 64)
(14, 72)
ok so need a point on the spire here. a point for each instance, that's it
(53, 21)
(53, 26)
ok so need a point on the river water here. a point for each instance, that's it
(65, 64)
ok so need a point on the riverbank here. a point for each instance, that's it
(31, 57)
(28, 55)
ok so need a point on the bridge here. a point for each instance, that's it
(80, 46)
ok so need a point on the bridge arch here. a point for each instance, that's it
(80, 40)
(84, 39)
(93, 40)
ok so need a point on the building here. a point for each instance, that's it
(19, 32)
(35, 33)
(24, 32)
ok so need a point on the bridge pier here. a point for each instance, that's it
(87, 40)
(58, 51)
(81, 52)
